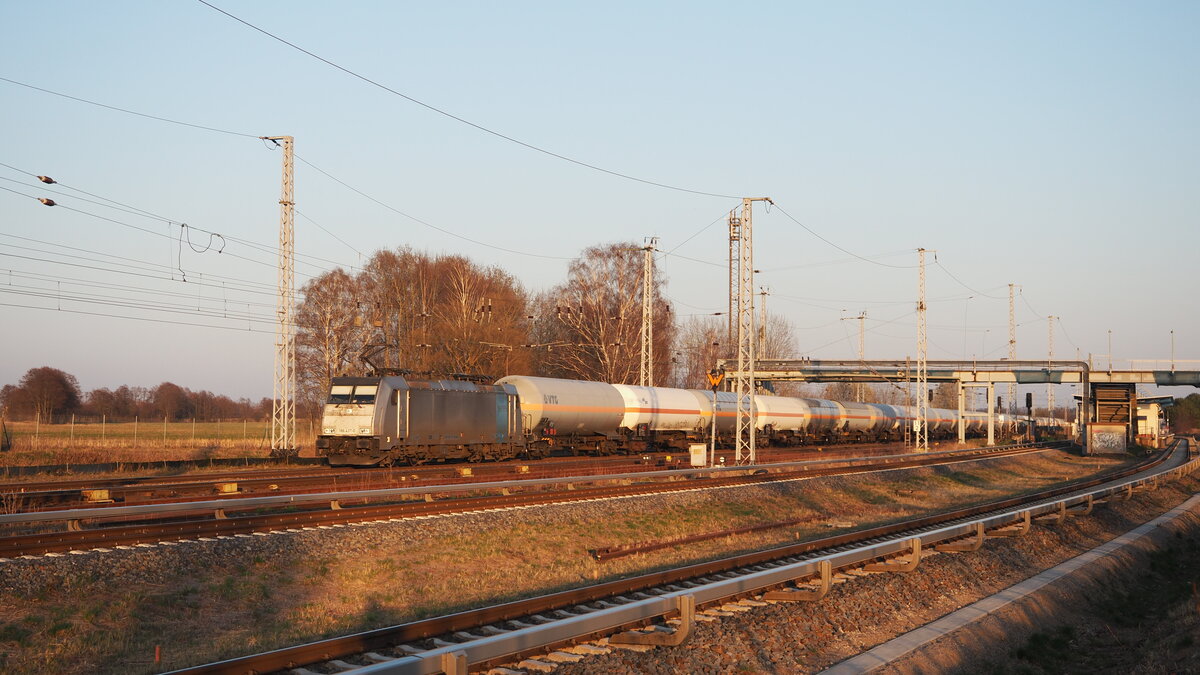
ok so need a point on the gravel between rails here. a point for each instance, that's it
(203, 601)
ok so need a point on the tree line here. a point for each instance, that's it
(1185, 414)
(442, 315)
(51, 395)
(438, 315)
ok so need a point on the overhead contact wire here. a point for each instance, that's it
(130, 112)
(456, 118)
(422, 222)
(827, 241)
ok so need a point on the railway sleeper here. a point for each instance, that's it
(1083, 510)
(586, 650)
(1015, 529)
(1060, 515)
(809, 593)
(560, 656)
(966, 544)
(534, 665)
(901, 563)
(686, 606)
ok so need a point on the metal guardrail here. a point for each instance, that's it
(228, 504)
(605, 620)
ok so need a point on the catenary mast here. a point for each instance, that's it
(283, 413)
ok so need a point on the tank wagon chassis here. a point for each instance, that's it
(387, 419)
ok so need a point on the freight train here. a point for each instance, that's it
(385, 420)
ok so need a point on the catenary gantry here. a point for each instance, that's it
(1111, 395)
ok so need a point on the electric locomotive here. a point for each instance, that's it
(378, 421)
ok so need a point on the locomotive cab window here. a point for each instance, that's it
(364, 394)
(340, 393)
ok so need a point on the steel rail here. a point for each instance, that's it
(767, 569)
(141, 490)
(145, 510)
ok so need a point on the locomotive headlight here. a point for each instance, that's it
(364, 430)
(328, 430)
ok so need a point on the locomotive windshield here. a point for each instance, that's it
(345, 393)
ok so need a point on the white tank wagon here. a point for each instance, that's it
(943, 422)
(862, 421)
(662, 416)
(891, 426)
(726, 411)
(826, 419)
(574, 414)
(783, 420)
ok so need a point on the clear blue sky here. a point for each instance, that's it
(1052, 145)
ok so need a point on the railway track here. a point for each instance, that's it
(125, 490)
(559, 626)
(214, 520)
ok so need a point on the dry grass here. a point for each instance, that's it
(231, 606)
(144, 441)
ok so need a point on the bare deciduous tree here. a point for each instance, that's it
(330, 333)
(439, 315)
(697, 349)
(44, 392)
(595, 318)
